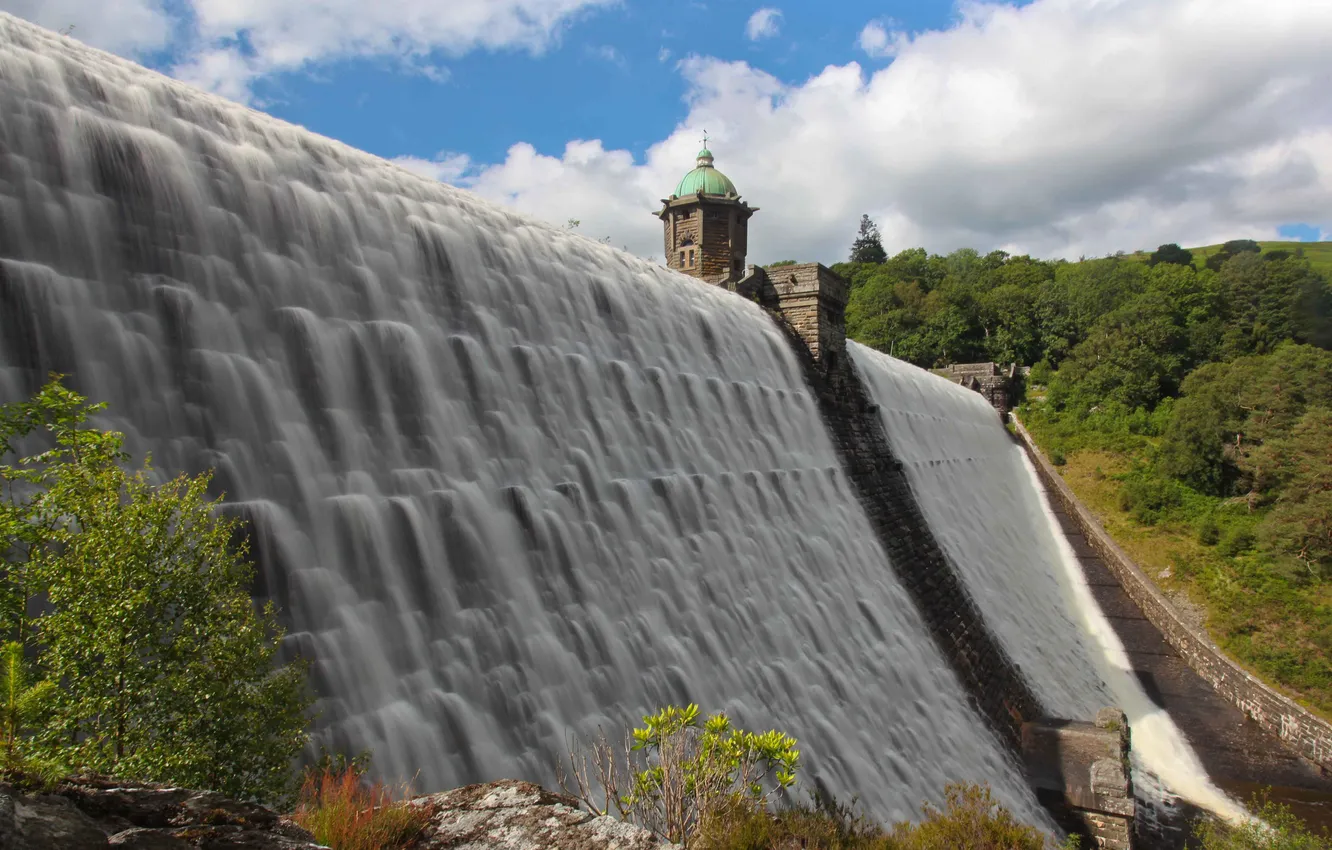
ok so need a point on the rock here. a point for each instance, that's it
(139, 838)
(149, 806)
(10, 838)
(50, 821)
(514, 815)
(93, 814)
(87, 813)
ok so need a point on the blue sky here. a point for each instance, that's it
(612, 76)
(1054, 127)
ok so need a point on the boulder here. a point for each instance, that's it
(514, 815)
(94, 814)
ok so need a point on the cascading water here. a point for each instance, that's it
(504, 481)
(985, 505)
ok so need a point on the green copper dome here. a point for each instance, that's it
(706, 179)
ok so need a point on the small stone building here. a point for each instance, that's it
(991, 380)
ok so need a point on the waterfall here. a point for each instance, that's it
(984, 503)
(504, 482)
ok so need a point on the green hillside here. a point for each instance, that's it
(1189, 404)
(1319, 254)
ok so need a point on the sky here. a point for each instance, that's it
(1059, 128)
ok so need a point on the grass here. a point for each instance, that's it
(1319, 254)
(970, 820)
(345, 812)
(1275, 624)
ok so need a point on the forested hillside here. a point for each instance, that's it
(1188, 396)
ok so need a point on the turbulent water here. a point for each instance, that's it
(505, 482)
(985, 505)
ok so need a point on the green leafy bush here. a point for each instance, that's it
(679, 770)
(1277, 829)
(1236, 540)
(1150, 498)
(970, 820)
(1209, 533)
(160, 668)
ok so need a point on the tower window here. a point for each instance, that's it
(691, 258)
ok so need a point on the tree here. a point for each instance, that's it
(1172, 254)
(1300, 524)
(163, 668)
(1230, 249)
(868, 248)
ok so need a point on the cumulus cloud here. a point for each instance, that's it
(227, 44)
(765, 23)
(445, 167)
(878, 41)
(122, 26)
(1063, 127)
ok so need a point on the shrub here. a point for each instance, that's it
(824, 823)
(1149, 498)
(1209, 533)
(971, 818)
(1278, 829)
(1057, 457)
(160, 665)
(347, 813)
(689, 772)
(1236, 540)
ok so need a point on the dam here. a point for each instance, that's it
(508, 484)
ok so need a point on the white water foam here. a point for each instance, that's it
(981, 497)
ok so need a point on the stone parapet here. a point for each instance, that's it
(811, 299)
(1080, 771)
(1309, 735)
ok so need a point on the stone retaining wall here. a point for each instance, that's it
(1308, 734)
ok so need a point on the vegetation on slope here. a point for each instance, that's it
(1189, 397)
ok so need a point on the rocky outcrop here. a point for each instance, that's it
(97, 814)
(93, 814)
(512, 815)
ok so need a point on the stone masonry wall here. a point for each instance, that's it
(717, 243)
(1080, 772)
(1310, 735)
(995, 685)
(812, 299)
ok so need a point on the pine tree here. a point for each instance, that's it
(868, 248)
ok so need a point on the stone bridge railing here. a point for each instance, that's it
(1308, 734)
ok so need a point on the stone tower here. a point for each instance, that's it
(706, 225)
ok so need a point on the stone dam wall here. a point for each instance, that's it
(1308, 734)
(994, 683)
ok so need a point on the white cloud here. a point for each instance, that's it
(228, 44)
(765, 23)
(1062, 127)
(446, 167)
(663, 54)
(122, 26)
(878, 41)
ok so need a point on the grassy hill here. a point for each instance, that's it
(1319, 254)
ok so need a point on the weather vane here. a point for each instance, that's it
(705, 139)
